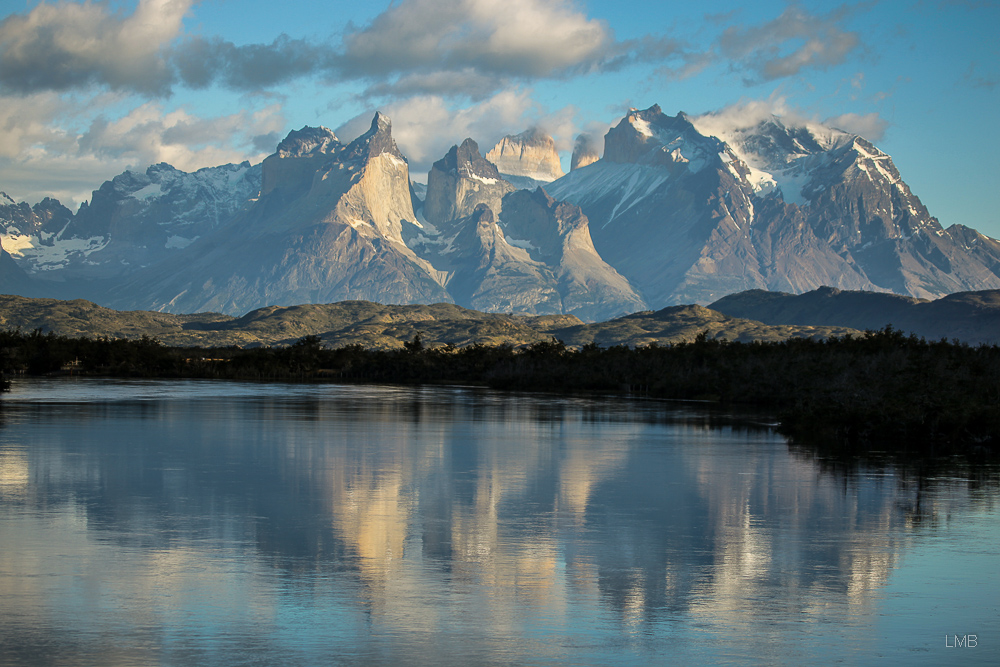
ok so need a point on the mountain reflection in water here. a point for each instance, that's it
(215, 523)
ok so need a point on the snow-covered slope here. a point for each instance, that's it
(780, 158)
(134, 220)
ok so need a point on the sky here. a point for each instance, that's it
(90, 89)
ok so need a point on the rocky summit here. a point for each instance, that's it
(527, 160)
(675, 210)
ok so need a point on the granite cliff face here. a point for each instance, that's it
(461, 181)
(536, 258)
(527, 160)
(338, 237)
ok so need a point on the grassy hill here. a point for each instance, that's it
(971, 317)
(377, 326)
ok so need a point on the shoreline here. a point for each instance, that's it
(882, 391)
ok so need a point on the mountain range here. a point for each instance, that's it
(678, 210)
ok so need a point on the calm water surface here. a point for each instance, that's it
(203, 523)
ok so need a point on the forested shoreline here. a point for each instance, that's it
(881, 391)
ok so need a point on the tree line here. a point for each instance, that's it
(880, 391)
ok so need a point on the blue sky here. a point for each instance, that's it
(90, 89)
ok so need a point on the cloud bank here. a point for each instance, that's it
(70, 45)
(469, 48)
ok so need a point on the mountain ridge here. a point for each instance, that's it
(680, 209)
(971, 317)
(381, 326)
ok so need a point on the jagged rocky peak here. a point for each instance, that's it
(22, 220)
(585, 151)
(308, 141)
(651, 137)
(467, 162)
(460, 181)
(531, 154)
(376, 141)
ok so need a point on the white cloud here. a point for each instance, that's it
(473, 48)
(201, 62)
(785, 46)
(465, 82)
(43, 155)
(147, 136)
(746, 114)
(459, 48)
(749, 113)
(70, 45)
(871, 126)
(27, 121)
(502, 37)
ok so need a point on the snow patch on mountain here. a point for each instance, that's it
(520, 243)
(877, 158)
(151, 191)
(36, 256)
(629, 183)
(483, 179)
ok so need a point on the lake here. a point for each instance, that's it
(215, 523)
